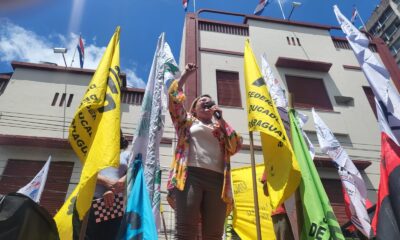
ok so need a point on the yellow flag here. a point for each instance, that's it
(94, 135)
(281, 167)
(244, 220)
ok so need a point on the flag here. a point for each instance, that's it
(147, 137)
(281, 167)
(243, 212)
(387, 213)
(94, 135)
(354, 15)
(81, 51)
(260, 7)
(185, 4)
(352, 181)
(35, 187)
(388, 110)
(275, 89)
(319, 221)
(138, 221)
(378, 78)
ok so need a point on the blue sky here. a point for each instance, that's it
(31, 29)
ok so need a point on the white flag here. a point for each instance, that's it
(35, 188)
(388, 99)
(275, 89)
(280, 100)
(351, 178)
(147, 138)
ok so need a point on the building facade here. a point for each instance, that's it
(385, 23)
(38, 102)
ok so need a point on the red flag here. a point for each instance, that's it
(387, 214)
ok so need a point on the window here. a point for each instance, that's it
(71, 96)
(18, 173)
(132, 97)
(392, 29)
(394, 49)
(333, 188)
(62, 100)
(371, 98)
(4, 79)
(385, 15)
(292, 41)
(308, 92)
(228, 89)
(55, 99)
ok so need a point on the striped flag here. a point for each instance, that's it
(352, 181)
(35, 187)
(185, 4)
(260, 7)
(81, 51)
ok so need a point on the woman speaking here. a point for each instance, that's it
(199, 183)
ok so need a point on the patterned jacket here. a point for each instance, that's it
(230, 144)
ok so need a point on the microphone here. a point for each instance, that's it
(209, 105)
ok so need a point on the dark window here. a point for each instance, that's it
(18, 173)
(371, 98)
(62, 99)
(228, 89)
(298, 41)
(294, 43)
(71, 96)
(308, 92)
(333, 188)
(55, 99)
(4, 79)
(131, 97)
(288, 40)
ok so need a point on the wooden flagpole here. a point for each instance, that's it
(297, 197)
(255, 194)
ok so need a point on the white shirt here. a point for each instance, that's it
(204, 149)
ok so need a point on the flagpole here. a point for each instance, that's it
(255, 194)
(297, 196)
(280, 6)
(194, 6)
(362, 22)
(163, 221)
(73, 56)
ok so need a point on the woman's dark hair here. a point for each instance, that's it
(193, 105)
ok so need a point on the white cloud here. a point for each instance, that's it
(20, 44)
(132, 80)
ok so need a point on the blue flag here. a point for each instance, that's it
(138, 222)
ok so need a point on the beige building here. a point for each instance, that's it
(38, 101)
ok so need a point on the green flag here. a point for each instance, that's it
(319, 221)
